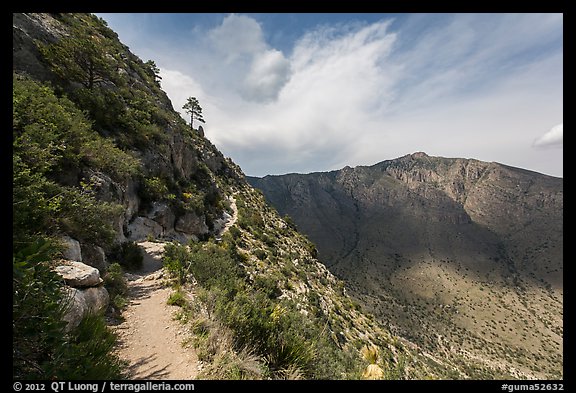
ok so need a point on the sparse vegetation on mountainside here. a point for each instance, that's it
(444, 252)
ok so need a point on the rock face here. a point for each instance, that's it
(26, 29)
(72, 250)
(192, 224)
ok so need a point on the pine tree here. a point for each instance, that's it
(192, 107)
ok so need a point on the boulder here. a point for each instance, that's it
(72, 250)
(75, 307)
(97, 298)
(192, 224)
(220, 223)
(143, 227)
(81, 302)
(163, 215)
(79, 275)
(94, 256)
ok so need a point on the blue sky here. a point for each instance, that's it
(301, 93)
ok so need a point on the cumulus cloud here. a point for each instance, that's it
(244, 61)
(337, 84)
(269, 72)
(237, 35)
(553, 138)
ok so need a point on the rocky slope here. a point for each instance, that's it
(176, 194)
(459, 255)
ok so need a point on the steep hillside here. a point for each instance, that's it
(460, 256)
(101, 160)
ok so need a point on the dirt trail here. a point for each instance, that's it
(230, 220)
(150, 339)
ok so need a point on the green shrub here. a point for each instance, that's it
(268, 285)
(235, 232)
(276, 330)
(116, 285)
(260, 254)
(37, 312)
(128, 254)
(177, 298)
(88, 353)
(52, 141)
(210, 265)
(176, 261)
(41, 347)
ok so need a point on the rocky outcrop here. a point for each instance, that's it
(83, 293)
(81, 302)
(94, 256)
(192, 224)
(26, 29)
(71, 249)
(78, 275)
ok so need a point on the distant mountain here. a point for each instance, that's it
(458, 255)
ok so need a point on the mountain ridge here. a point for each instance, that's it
(408, 156)
(381, 227)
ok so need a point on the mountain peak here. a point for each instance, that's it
(419, 154)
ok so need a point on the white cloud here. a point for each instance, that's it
(268, 74)
(553, 138)
(234, 59)
(237, 35)
(336, 85)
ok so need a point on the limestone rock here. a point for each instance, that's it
(192, 224)
(143, 227)
(81, 302)
(94, 256)
(97, 298)
(75, 306)
(79, 275)
(72, 250)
